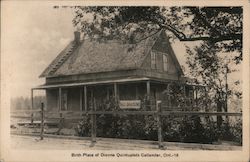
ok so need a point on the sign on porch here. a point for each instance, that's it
(130, 104)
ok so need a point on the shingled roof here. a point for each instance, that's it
(92, 57)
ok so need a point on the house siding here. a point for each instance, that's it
(162, 48)
(159, 62)
(146, 65)
(171, 66)
(52, 99)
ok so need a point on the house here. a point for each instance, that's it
(89, 73)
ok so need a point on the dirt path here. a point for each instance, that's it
(34, 143)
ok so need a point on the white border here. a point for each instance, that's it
(9, 154)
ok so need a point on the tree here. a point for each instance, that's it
(212, 69)
(217, 26)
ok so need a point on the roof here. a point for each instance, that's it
(109, 81)
(94, 57)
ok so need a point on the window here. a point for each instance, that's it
(153, 60)
(64, 100)
(110, 93)
(165, 62)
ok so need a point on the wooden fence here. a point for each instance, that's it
(45, 117)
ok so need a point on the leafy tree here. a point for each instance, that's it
(217, 26)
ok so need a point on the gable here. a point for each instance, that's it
(162, 47)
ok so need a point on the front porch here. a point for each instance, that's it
(116, 94)
(130, 97)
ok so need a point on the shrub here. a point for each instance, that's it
(178, 129)
(232, 131)
(83, 127)
(188, 129)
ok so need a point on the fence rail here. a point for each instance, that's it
(122, 112)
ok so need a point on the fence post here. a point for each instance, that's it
(42, 121)
(32, 100)
(32, 120)
(159, 126)
(93, 121)
(61, 123)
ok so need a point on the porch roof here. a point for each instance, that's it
(121, 80)
(91, 83)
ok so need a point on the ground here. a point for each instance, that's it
(67, 143)
(27, 137)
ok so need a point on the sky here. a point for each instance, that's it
(32, 36)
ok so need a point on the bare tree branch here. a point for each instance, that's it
(215, 39)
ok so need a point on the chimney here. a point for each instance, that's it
(77, 36)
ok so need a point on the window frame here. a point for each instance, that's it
(153, 59)
(64, 100)
(165, 61)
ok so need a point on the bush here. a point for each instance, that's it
(188, 129)
(232, 131)
(176, 129)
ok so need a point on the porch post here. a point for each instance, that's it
(148, 89)
(115, 90)
(80, 98)
(85, 98)
(32, 101)
(93, 119)
(196, 97)
(116, 94)
(60, 98)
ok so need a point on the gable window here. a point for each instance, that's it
(153, 60)
(165, 62)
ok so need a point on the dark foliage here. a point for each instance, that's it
(217, 26)
(83, 127)
(175, 129)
